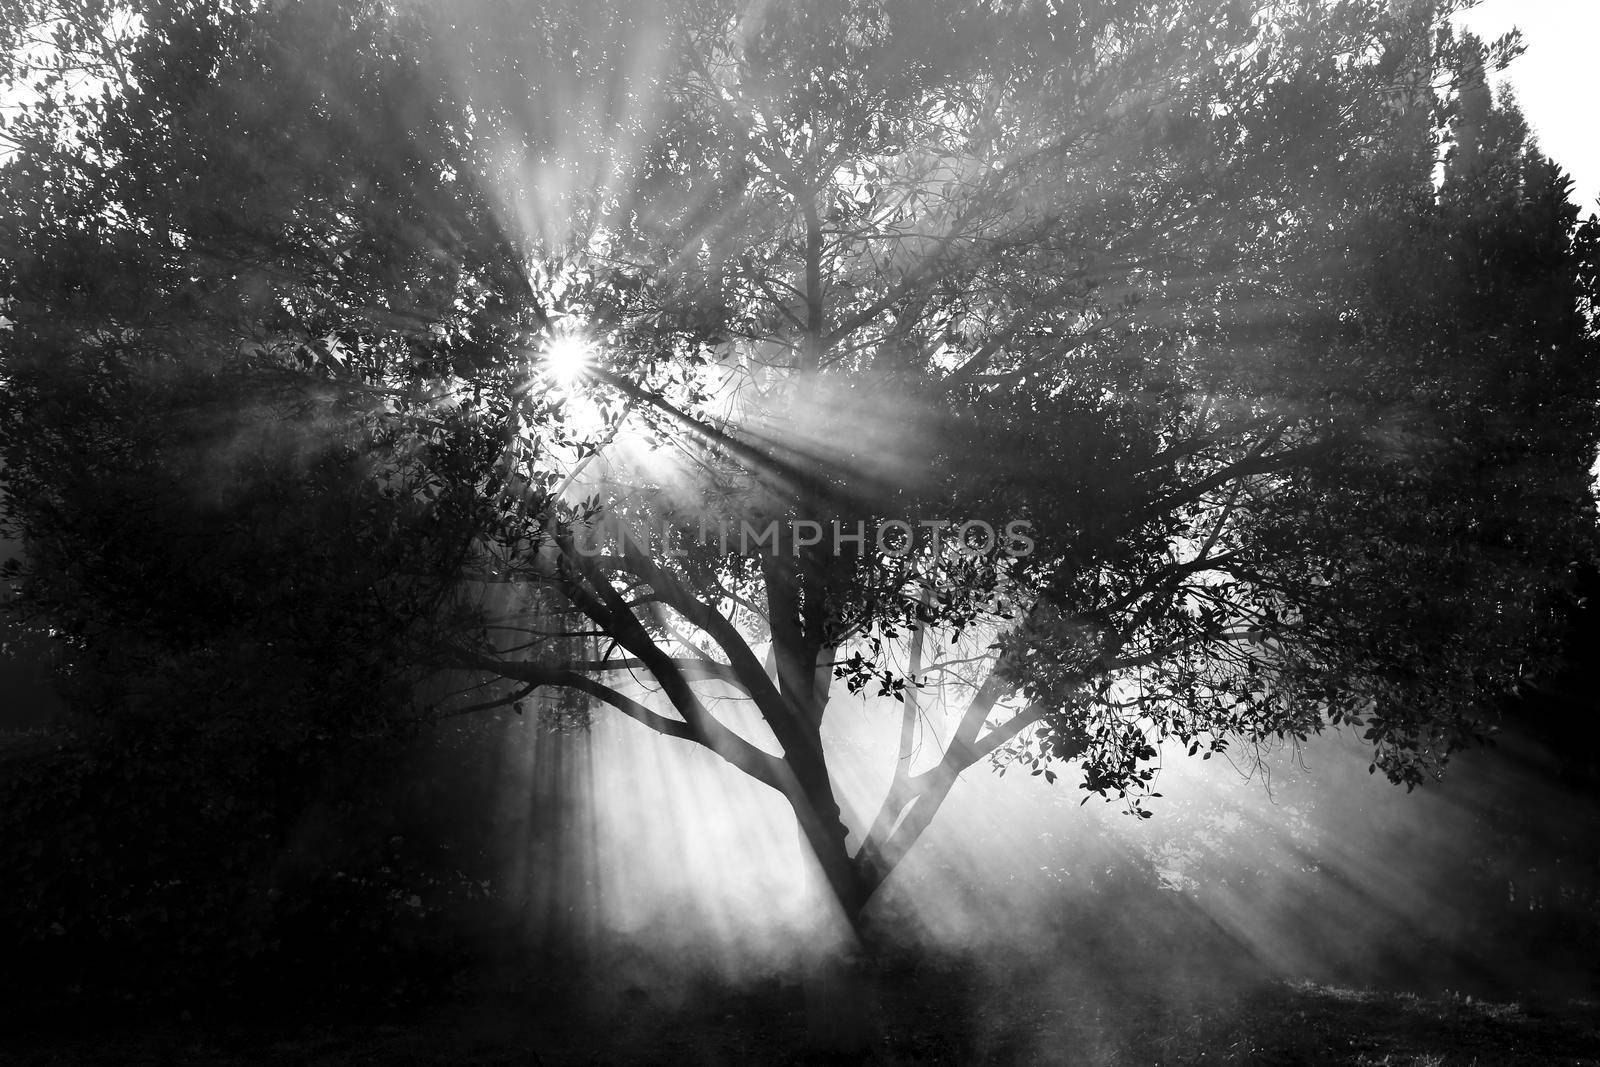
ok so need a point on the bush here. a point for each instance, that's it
(197, 872)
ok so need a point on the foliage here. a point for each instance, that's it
(1127, 272)
(154, 870)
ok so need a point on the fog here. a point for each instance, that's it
(654, 862)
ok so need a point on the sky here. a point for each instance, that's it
(1557, 81)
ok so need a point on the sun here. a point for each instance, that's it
(567, 356)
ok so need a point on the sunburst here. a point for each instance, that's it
(567, 357)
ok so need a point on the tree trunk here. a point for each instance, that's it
(840, 982)
(843, 1011)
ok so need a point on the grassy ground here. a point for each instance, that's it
(933, 1017)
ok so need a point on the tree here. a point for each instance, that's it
(620, 320)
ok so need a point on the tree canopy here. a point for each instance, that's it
(1112, 374)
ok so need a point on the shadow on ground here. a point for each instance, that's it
(933, 1014)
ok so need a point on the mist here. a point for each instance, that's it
(663, 866)
(336, 335)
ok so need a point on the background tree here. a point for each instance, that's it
(235, 570)
(1121, 270)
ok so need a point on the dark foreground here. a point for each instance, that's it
(931, 1018)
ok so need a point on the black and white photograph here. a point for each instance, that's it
(800, 532)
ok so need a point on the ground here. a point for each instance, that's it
(937, 1015)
